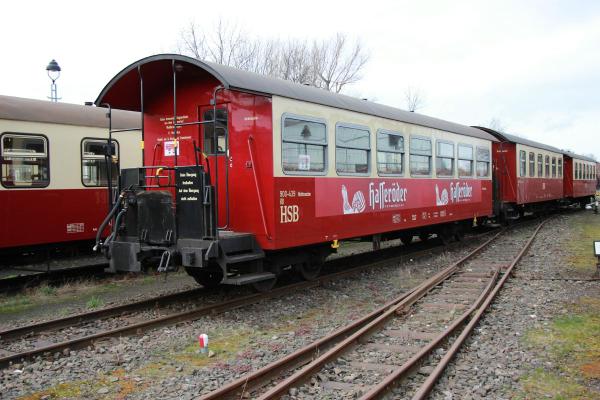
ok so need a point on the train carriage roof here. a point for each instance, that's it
(232, 78)
(22, 109)
(577, 156)
(505, 137)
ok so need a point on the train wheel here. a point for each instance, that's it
(459, 233)
(424, 237)
(445, 234)
(208, 279)
(406, 239)
(309, 271)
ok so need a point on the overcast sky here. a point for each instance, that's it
(533, 65)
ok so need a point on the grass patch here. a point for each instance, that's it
(94, 302)
(581, 256)
(545, 385)
(572, 343)
(15, 304)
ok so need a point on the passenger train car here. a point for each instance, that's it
(282, 173)
(250, 175)
(53, 187)
(580, 178)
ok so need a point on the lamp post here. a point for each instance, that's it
(53, 70)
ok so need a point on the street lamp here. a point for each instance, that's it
(53, 70)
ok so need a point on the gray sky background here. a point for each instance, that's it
(533, 65)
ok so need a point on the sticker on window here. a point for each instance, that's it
(169, 148)
(304, 162)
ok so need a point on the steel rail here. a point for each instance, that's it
(33, 278)
(96, 314)
(346, 343)
(429, 383)
(141, 327)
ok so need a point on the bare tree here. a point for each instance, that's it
(414, 99)
(328, 64)
(338, 63)
(497, 125)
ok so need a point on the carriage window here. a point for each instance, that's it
(390, 153)
(560, 171)
(483, 162)
(554, 167)
(587, 171)
(353, 146)
(444, 159)
(547, 169)
(540, 165)
(93, 162)
(209, 132)
(522, 163)
(465, 160)
(531, 164)
(420, 156)
(304, 146)
(24, 161)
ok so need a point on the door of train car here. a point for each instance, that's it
(214, 144)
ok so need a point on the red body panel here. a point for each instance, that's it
(505, 171)
(535, 190)
(57, 215)
(313, 210)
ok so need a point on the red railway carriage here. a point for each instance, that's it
(580, 178)
(250, 174)
(528, 175)
(53, 189)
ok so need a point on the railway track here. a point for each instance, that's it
(22, 278)
(47, 338)
(418, 331)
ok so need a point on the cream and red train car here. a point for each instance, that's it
(528, 176)
(282, 173)
(53, 187)
(580, 178)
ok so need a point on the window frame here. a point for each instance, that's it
(453, 158)
(554, 169)
(403, 152)
(560, 167)
(531, 162)
(369, 150)
(203, 133)
(118, 148)
(547, 166)
(522, 163)
(489, 162)
(47, 155)
(326, 145)
(540, 165)
(410, 153)
(465, 159)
